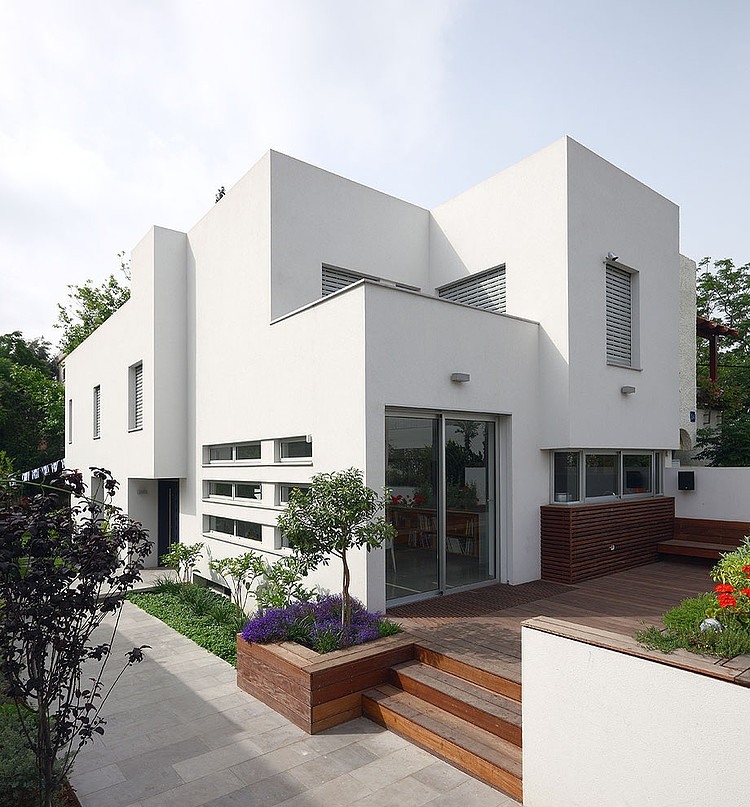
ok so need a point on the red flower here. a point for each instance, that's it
(745, 591)
(746, 569)
(723, 588)
(726, 601)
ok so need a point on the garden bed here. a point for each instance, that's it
(317, 691)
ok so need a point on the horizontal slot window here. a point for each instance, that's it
(243, 491)
(285, 491)
(295, 448)
(236, 528)
(602, 475)
(232, 452)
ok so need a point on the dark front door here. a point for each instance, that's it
(169, 514)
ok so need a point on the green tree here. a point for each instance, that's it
(89, 306)
(723, 295)
(32, 409)
(337, 514)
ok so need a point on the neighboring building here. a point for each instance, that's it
(514, 347)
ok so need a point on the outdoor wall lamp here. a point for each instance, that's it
(460, 378)
(611, 257)
(627, 390)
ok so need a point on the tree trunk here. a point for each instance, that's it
(346, 604)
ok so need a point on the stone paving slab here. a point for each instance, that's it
(180, 733)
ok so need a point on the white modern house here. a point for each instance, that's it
(505, 363)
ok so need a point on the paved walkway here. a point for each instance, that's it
(179, 732)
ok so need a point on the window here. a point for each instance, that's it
(70, 420)
(247, 451)
(485, 290)
(232, 452)
(601, 475)
(295, 448)
(707, 418)
(637, 471)
(567, 476)
(336, 279)
(285, 490)
(236, 528)
(586, 475)
(233, 490)
(135, 394)
(619, 299)
(97, 412)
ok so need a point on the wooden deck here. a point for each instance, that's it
(483, 627)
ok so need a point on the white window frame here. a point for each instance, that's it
(619, 494)
(97, 412)
(232, 497)
(235, 529)
(233, 453)
(135, 397)
(289, 487)
(285, 441)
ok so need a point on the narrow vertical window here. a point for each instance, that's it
(70, 420)
(97, 412)
(135, 391)
(619, 317)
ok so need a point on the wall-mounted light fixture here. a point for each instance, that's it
(627, 390)
(460, 378)
(611, 257)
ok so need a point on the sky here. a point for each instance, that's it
(116, 116)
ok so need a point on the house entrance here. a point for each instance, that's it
(169, 515)
(441, 474)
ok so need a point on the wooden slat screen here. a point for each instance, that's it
(576, 541)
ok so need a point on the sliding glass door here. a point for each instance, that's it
(441, 475)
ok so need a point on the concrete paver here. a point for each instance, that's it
(179, 733)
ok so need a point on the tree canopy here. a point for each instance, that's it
(723, 295)
(32, 407)
(89, 306)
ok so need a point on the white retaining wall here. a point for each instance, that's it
(722, 494)
(603, 728)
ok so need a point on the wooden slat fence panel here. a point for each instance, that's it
(577, 541)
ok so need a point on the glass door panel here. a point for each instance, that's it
(469, 502)
(412, 468)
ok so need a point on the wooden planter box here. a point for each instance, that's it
(317, 691)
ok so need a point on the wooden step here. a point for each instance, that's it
(489, 710)
(476, 751)
(508, 684)
(693, 549)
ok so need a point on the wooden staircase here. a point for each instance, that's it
(467, 716)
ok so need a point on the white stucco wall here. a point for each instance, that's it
(149, 328)
(604, 728)
(608, 210)
(720, 494)
(237, 345)
(320, 218)
(519, 218)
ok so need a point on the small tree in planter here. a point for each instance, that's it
(336, 514)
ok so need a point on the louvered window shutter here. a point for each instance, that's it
(97, 411)
(335, 279)
(138, 397)
(619, 317)
(485, 290)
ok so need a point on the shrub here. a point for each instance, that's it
(183, 558)
(318, 625)
(18, 768)
(729, 604)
